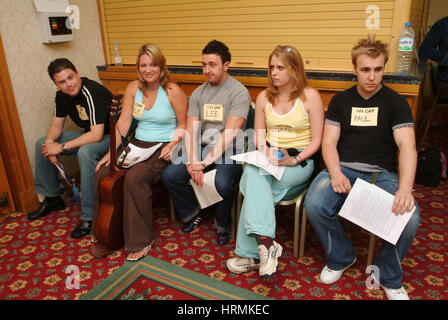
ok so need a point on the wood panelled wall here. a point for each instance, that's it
(117, 78)
(419, 15)
(12, 145)
(324, 31)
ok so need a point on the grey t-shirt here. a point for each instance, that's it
(213, 105)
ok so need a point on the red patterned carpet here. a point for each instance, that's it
(34, 257)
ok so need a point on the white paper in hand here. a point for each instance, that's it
(206, 194)
(370, 207)
(136, 154)
(258, 159)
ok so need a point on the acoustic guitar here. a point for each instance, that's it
(109, 224)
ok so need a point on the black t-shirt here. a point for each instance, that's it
(90, 107)
(367, 126)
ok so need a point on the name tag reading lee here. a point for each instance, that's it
(138, 110)
(364, 117)
(213, 112)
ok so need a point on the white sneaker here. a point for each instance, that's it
(241, 265)
(393, 294)
(269, 259)
(329, 276)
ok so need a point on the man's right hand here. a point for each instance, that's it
(196, 172)
(340, 183)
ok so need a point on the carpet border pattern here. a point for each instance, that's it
(187, 281)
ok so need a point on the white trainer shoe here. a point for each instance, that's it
(329, 276)
(393, 294)
(240, 265)
(269, 259)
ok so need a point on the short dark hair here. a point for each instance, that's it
(58, 65)
(219, 48)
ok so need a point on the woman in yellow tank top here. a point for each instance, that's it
(289, 120)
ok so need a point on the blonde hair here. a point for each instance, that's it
(293, 62)
(157, 57)
(371, 47)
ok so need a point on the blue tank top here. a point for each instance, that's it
(158, 123)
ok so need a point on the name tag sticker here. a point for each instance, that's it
(213, 112)
(82, 112)
(364, 117)
(138, 110)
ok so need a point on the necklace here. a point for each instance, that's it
(152, 89)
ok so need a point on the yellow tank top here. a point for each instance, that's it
(291, 130)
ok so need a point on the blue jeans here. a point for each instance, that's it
(322, 205)
(176, 178)
(46, 181)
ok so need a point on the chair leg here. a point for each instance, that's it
(234, 217)
(371, 248)
(302, 234)
(238, 210)
(431, 113)
(296, 229)
(172, 210)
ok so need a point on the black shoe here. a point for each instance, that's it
(193, 223)
(50, 204)
(222, 238)
(82, 229)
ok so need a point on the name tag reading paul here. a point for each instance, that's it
(213, 112)
(364, 117)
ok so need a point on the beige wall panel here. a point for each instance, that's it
(324, 31)
(139, 18)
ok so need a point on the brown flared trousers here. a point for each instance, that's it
(137, 198)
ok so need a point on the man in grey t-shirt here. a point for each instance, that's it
(217, 112)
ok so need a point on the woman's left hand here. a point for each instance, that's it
(166, 152)
(288, 161)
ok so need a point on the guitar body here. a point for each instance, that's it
(109, 224)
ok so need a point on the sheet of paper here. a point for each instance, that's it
(62, 173)
(136, 154)
(370, 207)
(258, 159)
(207, 194)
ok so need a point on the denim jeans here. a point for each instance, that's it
(322, 205)
(46, 181)
(176, 178)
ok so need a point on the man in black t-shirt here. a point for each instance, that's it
(87, 103)
(365, 127)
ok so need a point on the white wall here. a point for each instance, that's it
(28, 58)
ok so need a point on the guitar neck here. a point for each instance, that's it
(113, 149)
(114, 110)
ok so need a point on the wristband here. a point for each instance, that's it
(299, 158)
